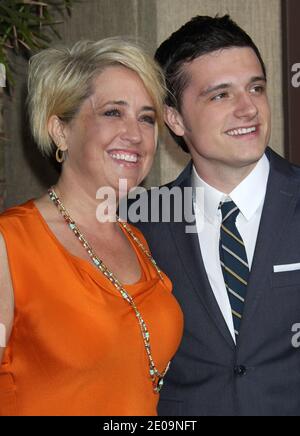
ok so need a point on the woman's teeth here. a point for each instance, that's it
(126, 157)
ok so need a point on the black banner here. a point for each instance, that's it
(89, 426)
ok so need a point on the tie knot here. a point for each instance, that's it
(229, 210)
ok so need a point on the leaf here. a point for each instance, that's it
(24, 26)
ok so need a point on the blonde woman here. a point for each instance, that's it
(90, 321)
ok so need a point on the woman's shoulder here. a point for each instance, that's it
(6, 298)
(18, 218)
(17, 212)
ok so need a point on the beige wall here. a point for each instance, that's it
(28, 175)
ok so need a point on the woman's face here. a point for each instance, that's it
(114, 134)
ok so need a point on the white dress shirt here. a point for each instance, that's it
(249, 197)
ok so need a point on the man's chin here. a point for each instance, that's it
(249, 157)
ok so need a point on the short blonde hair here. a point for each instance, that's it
(60, 79)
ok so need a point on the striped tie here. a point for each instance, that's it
(234, 262)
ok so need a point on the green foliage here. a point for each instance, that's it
(25, 25)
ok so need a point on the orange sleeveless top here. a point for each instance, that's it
(76, 346)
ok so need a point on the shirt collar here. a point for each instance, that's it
(212, 197)
(248, 195)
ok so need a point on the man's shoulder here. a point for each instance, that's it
(282, 165)
(295, 170)
(151, 205)
(182, 180)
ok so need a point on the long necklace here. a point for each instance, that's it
(156, 377)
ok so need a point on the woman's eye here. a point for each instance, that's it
(148, 119)
(112, 113)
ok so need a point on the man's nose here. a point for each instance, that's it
(246, 107)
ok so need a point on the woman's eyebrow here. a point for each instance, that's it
(124, 103)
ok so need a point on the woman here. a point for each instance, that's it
(90, 320)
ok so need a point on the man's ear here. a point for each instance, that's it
(174, 120)
(56, 129)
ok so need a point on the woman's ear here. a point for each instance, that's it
(174, 120)
(56, 130)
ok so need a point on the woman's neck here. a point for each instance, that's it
(83, 206)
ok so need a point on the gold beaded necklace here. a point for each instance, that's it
(156, 377)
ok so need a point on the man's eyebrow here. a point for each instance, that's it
(223, 86)
(258, 79)
(211, 89)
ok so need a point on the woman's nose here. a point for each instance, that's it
(132, 131)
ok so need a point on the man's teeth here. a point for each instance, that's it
(239, 132)
(126, 157)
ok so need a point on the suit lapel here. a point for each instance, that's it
(280, 202)
(189, 252)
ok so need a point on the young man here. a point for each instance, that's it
(238, 278)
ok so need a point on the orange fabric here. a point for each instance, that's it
(76, 347)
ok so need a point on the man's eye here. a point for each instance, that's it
(258, 89)
(113, 113)
(220, 96)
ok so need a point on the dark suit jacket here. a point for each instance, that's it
(261, 375)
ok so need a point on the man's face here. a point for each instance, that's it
(225, 113)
